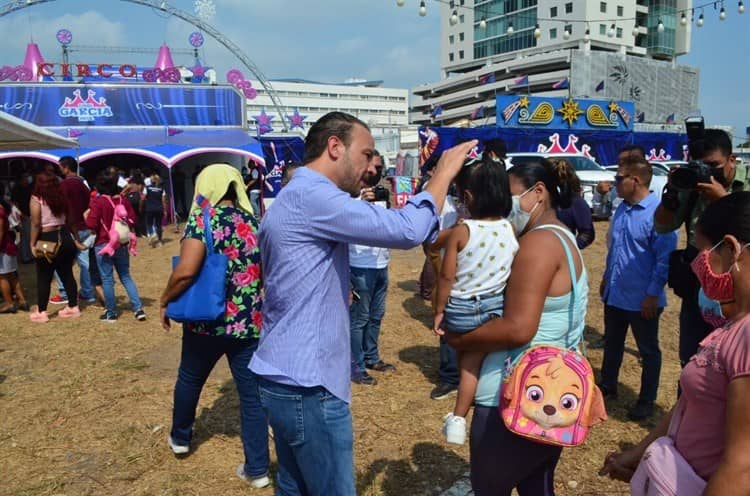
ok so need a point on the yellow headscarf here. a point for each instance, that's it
(214, 181)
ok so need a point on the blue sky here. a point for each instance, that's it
(331, 40)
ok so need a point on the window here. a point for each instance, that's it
(620, 11)
(569, 28)
(603, 7)
(602, 29)
(569, 8)
(461, 19)
(618, 33)
(460, 54)
(450, 57)
(553, 12)
(462, 2)
(453, 4)
(451, 39)
(460, 37)
(553, 33)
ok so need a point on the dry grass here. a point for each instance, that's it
(85, 407)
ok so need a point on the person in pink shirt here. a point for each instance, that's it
(710, 432)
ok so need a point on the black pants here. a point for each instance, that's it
(153, 223)
(501, 460)
(692, 327)
(62, 264)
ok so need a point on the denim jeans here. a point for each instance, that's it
(199, 356)
(646, 334)
(120, 262)
(366, 314)
(313, 438)
(463, 315)
(86, 289)
(448, 371)
(255, 202)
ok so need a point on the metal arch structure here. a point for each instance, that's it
(163, 6)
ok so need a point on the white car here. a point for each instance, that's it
(589, 172)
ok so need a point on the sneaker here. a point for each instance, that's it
(257, 482)
(89, 301)
(58, 300)
(39, 317)
(443, 390)
(177, 449)
(69, 313)
(365, 379)
(140, 315)
(107, 317)
(641, 411)
(454, 429)
(380, 366)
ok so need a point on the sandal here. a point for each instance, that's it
(381, 366)
(10, 309)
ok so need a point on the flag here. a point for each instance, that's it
(487, 78)
(437, 111)
(478, 112)
(74, 133)
(172, 131)
(561, 85)
(600, 86)
(523, 80)
(670, 119)
(641, 117)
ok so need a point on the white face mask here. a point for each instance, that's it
(517, 216)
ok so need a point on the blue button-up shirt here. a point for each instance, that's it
(638, 257)
(304, 240)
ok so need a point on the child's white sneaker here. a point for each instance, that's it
(454, 429)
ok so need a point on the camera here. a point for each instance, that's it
(686, 178)
(381, 193)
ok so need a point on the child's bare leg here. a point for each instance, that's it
(469, 363)
(5, 290)
(18, 290)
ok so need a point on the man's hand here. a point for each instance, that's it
(712, 191)
(367, 194)
(452, 160)
(165, 323)
(650, 307)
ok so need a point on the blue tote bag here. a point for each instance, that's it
(205, 299)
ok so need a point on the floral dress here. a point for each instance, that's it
(234, 233)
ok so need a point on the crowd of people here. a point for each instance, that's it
(306, 290)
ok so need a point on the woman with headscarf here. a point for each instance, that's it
(236, 334)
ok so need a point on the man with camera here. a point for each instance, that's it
(710, 175)
(368, 267)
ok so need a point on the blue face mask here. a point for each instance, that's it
(711, 310)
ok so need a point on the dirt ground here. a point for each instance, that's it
(85, 407)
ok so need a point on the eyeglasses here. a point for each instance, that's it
(619, 178)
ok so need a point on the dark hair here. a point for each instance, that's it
(567, 175)
(106, 182)
(541, 170)
(639, 167)
(47, 187)
(337, 124)
(69, 162)
(490, 189)
(728, 215)
(286, 174)
(496, 145)
(717, 139)
(633, 151)
(136, 177)
(230, 195)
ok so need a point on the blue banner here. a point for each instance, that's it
(279, 151)
(531, 112)
(76, 105)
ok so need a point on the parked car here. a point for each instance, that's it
(589, 172)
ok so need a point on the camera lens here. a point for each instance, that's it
(684, 178)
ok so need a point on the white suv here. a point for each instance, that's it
(589, 172)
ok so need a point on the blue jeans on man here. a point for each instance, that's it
(255, 202)
(107, 265)
(314, 441)
(199, 356)
(86, 289)
(646, 334)
(366, 314)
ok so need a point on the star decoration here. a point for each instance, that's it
(613, 106)
(264, 122)
(570, 111)
(296, 120)
(524, 101)
(199, 72)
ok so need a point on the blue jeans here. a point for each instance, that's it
(448, 371)
(646, 334)
(463, 315)
(255, 202)
(199, 356)
(121, 262)
(313, 437)
(86, 289)
(366, 314)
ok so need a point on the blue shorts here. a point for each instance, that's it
(463, 315)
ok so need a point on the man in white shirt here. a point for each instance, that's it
(369, 279)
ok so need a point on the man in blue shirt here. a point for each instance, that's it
(304, 356)
(632, 288)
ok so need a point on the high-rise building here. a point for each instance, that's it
(621, 49)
